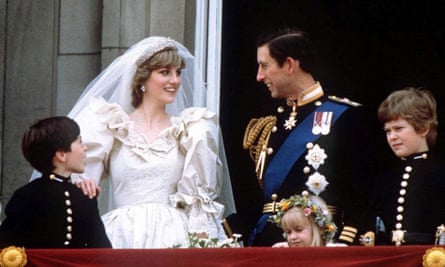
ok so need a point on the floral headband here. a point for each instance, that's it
(310, 208)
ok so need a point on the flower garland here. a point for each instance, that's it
(310, 208)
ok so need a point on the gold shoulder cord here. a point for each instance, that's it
(258, 130)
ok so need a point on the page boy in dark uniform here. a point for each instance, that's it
(314, 141)
(51, 212)
(408, 198)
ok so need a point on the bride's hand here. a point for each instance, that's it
(89, 187)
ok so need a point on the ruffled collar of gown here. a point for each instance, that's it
(118, 121)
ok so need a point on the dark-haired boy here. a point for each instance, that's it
(51, 212)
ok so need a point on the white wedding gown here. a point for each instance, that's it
(160, 191)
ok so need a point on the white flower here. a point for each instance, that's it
(202, 240)
(317, 183)
(316, 156)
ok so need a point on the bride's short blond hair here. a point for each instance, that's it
(165, 58)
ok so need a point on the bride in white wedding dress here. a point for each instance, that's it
(167, 170)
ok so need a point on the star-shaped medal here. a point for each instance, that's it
(290, 123)
(317, 183)
(316, 156)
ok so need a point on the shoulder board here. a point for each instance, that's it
(344, 100)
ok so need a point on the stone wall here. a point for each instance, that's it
(51, 49)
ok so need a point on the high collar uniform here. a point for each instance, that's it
(411, 195)
(347, 167)
(52, 213)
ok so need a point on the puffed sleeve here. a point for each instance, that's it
(200, 184)
(94, 121)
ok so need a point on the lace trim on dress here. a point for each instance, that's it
(119, 123)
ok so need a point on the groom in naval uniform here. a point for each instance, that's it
(314, 142)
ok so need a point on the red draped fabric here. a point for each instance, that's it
(323, 256)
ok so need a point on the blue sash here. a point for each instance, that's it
(289, 152)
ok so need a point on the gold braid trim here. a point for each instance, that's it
(258, 130)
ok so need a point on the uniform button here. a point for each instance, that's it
(69, 228)
(306, 170)
(402, 192)
(68, 236)
(398, 226)
(69, 211)
(274, 129)
(404, 183)
(274, 197)
(269, 151)
(67, 194)
(400, 209)
(69, 219)
(68, 202)
(399, 217)
(280, 109)
(406, 176)
(309, 145)
(408, 169)
(401, 200)
(66, 243)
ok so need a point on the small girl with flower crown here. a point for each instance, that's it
(305, 220)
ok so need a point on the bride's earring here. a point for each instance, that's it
(142, 88)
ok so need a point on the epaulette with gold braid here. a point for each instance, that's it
(344, 100)
(256, 139)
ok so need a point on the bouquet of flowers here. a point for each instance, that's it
(202, 240)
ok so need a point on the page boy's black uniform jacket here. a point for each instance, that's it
(52, 213)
